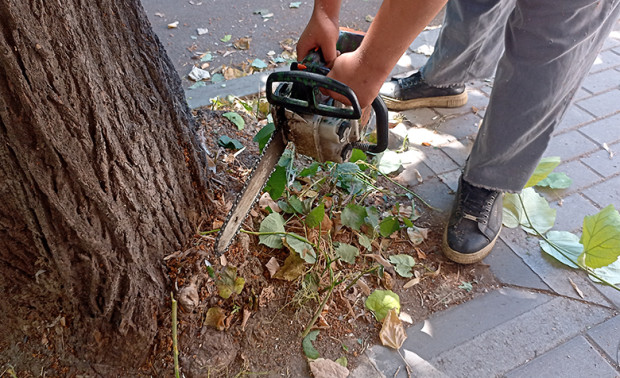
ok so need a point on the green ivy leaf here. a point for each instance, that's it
(310, 171)
(277, 183)
(309, 349)
(347, 178)
(357, 155)
(380, 302)
(388, 226)
(342, 361)
(389, 162)
(601, 238)
(353, 216)
(565, 243)
(296, 204)
(263, 135)
(365, 241)
(537, 208)
(228, 142)
(544, 168)
(303, 249)
(236, 119)
(402, 264)
(556, 180)
(226, 38)
(272, 223)
(315, 217)
(347, 252)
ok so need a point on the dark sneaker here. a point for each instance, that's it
(413, 92)
(474, 224)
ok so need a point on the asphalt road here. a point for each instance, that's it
(266, 22)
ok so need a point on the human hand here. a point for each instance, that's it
(364, 80)
(321, 32)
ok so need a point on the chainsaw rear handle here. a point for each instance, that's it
(381, 115)
(312, 103)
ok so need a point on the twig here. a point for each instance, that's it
(175, 345)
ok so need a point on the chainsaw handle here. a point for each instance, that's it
(381, 116)
(312, 104)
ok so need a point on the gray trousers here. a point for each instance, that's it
(542, 51)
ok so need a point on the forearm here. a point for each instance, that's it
(395, 26)
(329, 8)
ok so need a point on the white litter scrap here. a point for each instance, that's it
(198, 74)
(202, 31)
(173, 25)
(425, 50)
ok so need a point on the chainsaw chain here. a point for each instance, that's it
(234, 206)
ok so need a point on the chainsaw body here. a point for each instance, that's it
(319, 126)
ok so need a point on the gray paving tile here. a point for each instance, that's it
(607, 337)
(606, 193)
(510, 269)
(569, 145)
(574, 116)
(506, 346)
(569, 216)
(459, 150)
(446, 330)
(581, 95)
(576, 358)
(436, 193)
(437, 160)
(606, 130)
(553, 273)
(605, 60)
(612, 41)
(409, 174)
(451, 179)
(428, 135)
(427, 37)
(601, 81)
(601, 162)
(603, 104)
(460, 126)
(420, 117)
(611, 294)
(477, 101)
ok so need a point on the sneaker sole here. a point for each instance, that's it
(454, 101)
(467, 258)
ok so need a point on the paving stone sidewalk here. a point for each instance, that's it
(535, 324)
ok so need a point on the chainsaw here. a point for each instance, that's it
(319, 126)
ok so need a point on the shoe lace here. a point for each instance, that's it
(477, 203)
(410, 81)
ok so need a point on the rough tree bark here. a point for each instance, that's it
(100, 174)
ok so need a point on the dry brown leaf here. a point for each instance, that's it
(388, 281)
(266, 295)
(266, 201)
(435, 273)
(293, 268)
(272, 266)
(363, 287)
(577, 289)
(326, 224)
(246, 316)
(215, 318)
(412, 283)
(217, 224)
(420, 253)
(378, 258)
(323, 368)
(223, 260)
(189, 298)
(392, 332)
(242, 43)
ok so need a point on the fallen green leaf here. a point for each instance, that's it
(228, 142)
(228, 283)
(544, 168)
(537, 209)
(562, 243)
(365, 241)
(342, 361)
(272, 223)
(467, 286)
(402, 264)
(277, 182)
(389, 162)
(601, 238)
(380, 302)
(346, 252)
(353, 216)
(315, 216)
(236, 119)
(226, 38)
(293, 268)
(303, 249)
(309, 349)
(263, 135)
(310, 170)
(388, 226)
(556, 180)
(259, 63)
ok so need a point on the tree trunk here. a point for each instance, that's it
(101, 174)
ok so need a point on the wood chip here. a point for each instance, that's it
(577, 289)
